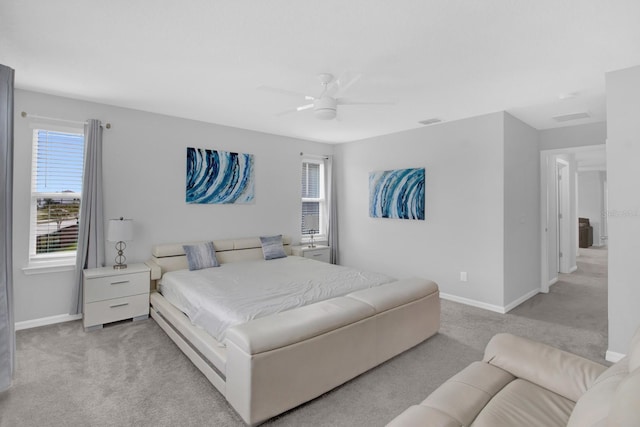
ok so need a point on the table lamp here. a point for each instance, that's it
(311, 223)
(120, 230)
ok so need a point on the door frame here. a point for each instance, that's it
(547, 223)
(563, 214)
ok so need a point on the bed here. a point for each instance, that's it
(267, 363)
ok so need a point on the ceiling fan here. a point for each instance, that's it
(325, 105)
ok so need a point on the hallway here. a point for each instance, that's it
(579, 299)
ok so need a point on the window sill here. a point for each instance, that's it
(46, 267)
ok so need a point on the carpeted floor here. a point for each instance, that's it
(132, 374)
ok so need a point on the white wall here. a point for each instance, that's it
(591, 200)
(144, 160)
(521, 210)
(573, 136)
(623, 176)
(463, 230)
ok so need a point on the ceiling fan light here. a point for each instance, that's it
(325, 108)
(325, 113)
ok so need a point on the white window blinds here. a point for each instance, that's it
(56, 188)
(312, 194)
(310, 180)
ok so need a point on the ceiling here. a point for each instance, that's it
(205, 59)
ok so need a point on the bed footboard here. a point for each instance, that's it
(281, 361)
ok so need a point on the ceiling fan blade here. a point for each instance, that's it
(304, 107)
(345, 101)
(344, 85)
(285, 92)
(295, 110)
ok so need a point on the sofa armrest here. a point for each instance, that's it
(556, 370)
(625, 410)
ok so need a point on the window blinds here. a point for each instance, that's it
(310, 180)
(56, 179)
(311, 193)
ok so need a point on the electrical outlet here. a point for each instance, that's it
(463, 276)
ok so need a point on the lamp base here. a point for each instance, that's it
(311, 243)
(120, 258)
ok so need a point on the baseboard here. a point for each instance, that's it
(44, 321)
(612, 356)
(473, 303)
(553, 281)
(490, 307)
(520, 300)
(572, 269)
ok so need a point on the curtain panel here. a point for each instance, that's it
(332, 210)
(90, 253)
(7, 327)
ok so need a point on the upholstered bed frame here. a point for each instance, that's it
(277, 362)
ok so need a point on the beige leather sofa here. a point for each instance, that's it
(524, 383)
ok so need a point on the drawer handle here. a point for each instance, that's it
(119, 305)
(120, 283)
(317, 254)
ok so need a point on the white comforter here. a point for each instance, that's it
(234, 293)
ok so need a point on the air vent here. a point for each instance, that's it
(572, 116)
(430, 121)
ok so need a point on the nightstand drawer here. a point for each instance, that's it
(97, 313)
(317, 254)
(121, 285)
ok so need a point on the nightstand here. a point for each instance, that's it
(319, 253)
(111, 295)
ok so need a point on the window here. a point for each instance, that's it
(56, 189)
(313, 199)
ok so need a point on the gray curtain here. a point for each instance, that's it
(91, 232)
(332, 210)
(7, 327)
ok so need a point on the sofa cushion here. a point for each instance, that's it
(417, 416)
(521, 403)
(592, 409)
(475, 385)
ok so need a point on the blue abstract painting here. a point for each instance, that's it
(397, 194)
(219, 177)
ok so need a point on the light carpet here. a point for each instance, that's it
(131, 374)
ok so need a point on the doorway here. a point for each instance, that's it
(559, 171)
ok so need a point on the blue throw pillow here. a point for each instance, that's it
(202, 255)
(272, 247)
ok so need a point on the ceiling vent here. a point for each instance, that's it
(572, 116)
(431, 121)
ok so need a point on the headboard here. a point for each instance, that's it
(170, 256)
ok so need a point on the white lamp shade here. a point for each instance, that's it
(311, 222)
(120, 230)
